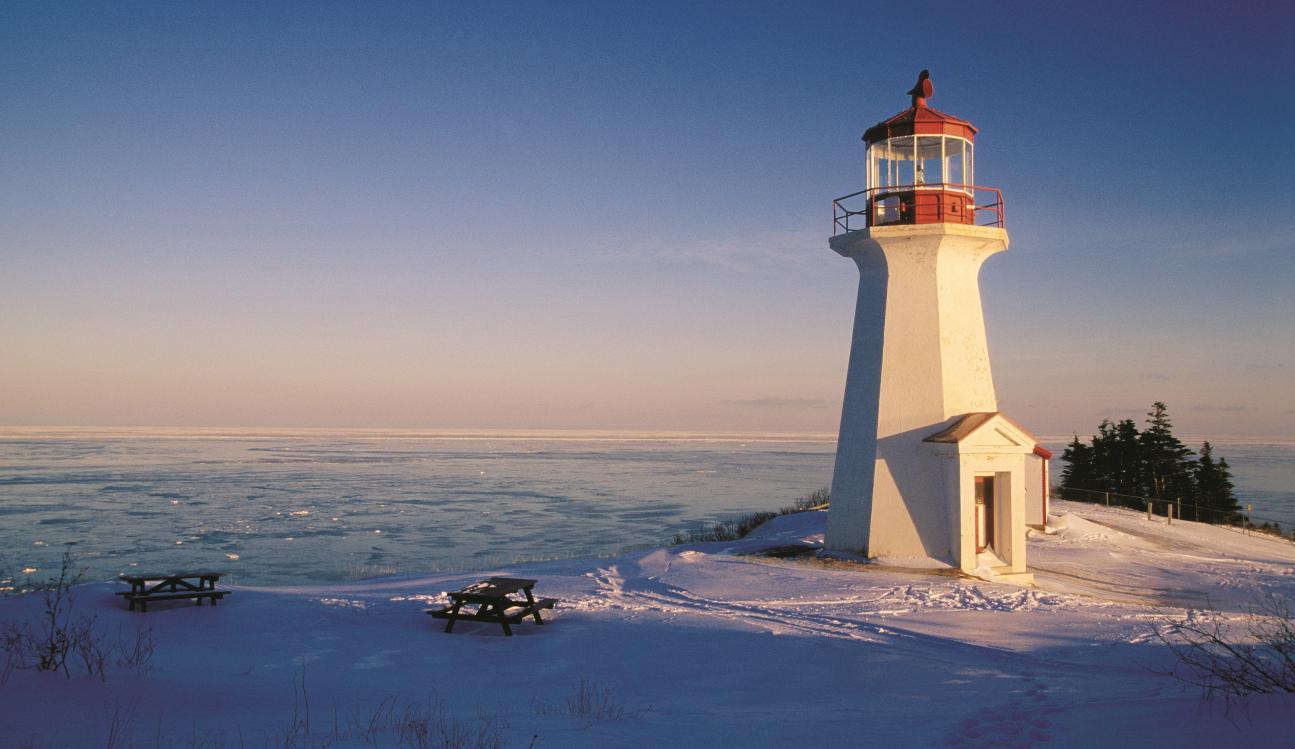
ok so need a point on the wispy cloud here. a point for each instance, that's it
(1216, 238)
(784, 402)
(1271, 242)
(1109, 410)
(752, 251)
(1211, 407)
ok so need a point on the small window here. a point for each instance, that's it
(885, 211)
(891, 162)
(954, 160)
(929, 155)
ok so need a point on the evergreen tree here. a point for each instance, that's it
(1117, 459)
(1167, 471)
(1078, 473)
(1151, 463)
(1214, 487)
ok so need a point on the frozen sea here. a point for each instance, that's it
(316, 507)
(298, 507)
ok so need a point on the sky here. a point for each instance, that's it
(616, 215)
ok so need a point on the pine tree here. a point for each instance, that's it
(1078, 473)
(1167, 469)
(1151, 463)
(1117, 459)
(1214, 487)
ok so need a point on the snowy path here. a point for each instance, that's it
(699, 645)
(1118, 555)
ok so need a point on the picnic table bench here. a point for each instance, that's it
(493, 604)
(167, 586)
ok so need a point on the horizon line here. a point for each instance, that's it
(569, 433)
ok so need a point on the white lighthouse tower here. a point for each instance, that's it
(925, 463)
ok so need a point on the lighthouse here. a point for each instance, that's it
(926, 465)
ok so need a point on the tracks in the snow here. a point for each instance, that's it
(651, 595)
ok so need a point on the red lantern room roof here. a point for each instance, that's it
(920, 119)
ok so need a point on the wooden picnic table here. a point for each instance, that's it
(493, 603)
(164, 586)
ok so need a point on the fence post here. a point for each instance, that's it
(1108, 499)
(1180, 508)
(1169, 513)
(1148, 509)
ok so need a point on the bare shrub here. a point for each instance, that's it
(378, 721)
(593, 700)
(587, 699)
(297, 732)
(1219, 660)
(440, 731)
(57, 638)
(428, 726)
(48, 645)
(412, 725)
(414, 729)
(120, 723)
(728, 530)
(815, 500)
(89, 647)
(13, 642)
(740, 527)
(136, 653)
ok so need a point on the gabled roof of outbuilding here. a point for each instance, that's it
(920, 120)
(971, 423)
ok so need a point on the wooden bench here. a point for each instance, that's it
(493, 604)
(170, 586)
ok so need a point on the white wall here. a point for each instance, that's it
(918, 356)
(1035, 490)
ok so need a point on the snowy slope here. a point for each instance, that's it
(700, 645)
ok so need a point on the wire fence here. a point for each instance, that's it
(1177, 509)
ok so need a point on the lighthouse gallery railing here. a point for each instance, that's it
(864, 204)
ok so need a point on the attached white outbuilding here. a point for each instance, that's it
(987, 459)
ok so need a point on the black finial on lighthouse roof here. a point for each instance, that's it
(923, 90)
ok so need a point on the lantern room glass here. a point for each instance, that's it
(922, 161)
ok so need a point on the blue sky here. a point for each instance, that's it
(615, 216)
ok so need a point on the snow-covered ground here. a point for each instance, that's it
(699, 645)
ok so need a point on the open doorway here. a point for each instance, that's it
(984, 513)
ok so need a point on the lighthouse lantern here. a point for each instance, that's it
(920, 170)
(920, 179)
